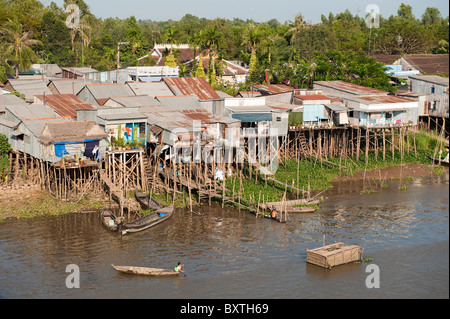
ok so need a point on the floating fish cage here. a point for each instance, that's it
(334, 255)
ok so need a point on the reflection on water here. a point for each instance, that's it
(228, 254)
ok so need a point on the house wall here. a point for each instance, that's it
(280, 122)
(29, 144)
(420, 86)
(312, 112)
(87, 96)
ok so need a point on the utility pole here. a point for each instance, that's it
(118, 58)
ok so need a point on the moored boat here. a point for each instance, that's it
(306, 209)
(442, 161)
(148, 221)
(145, 201)
(109, 220)
(145, 271)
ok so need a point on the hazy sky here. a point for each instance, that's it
(261, 10)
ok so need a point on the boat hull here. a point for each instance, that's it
(145, 271)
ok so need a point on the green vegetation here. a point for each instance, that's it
(317, 175)
(44, 204)
(438, 170)
(294, 52)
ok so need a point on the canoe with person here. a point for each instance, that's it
(146, 271)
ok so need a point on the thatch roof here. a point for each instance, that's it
(71, 132)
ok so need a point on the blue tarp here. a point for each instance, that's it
(60, 148)
(252, 117)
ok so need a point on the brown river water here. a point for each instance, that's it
(231, 254)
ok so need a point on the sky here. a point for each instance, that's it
(257, 10)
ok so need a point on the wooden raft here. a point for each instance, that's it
(334, 255)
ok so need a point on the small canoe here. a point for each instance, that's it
(148, 221)
(109, 220)
(145, 201)
(145, 271)
(300, 209)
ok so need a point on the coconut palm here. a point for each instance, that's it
(296, 27)
(18, 50)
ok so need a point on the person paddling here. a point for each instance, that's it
(275, 215)
(180, 268)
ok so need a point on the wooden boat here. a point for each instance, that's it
(109, 220)
(145, 271)
(148, 221)
(306, 209)
(145, 201)
(334, 255)
(436, 161)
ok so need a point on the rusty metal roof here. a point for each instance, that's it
(383, 99)
(350, 87)
(64, 104)
(192, 85)
(274, 88)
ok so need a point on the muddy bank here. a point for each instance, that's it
(32, 202)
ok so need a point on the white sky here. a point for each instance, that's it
(260, 10)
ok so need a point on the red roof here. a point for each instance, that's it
(65, 104)
(313, 97)
(188, 86)
(274, 88)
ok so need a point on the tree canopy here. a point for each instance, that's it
(295, 52)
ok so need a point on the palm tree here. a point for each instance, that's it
(18, 48)
(252, 37)
(296, 27)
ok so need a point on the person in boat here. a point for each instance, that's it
(275, 214)
(179, 268)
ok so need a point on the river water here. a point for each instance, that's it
(230, 254)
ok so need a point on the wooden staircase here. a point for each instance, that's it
(116, 193)
(303, 145)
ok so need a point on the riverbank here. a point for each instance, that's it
(313, 175)
(33, 202)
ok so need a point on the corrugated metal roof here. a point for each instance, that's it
(313, 97)
(69, 86)
(181, 103)
(105, 91)
(64, 104)
(37, 126)
(79, 71)
(274, 88)
(135, 101)
(34, 111)
(435, 79)
(383, 99)
(150, 88)
(6, 100)
(192, 85)
(350, 87)
(30, 88)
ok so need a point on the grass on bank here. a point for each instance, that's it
(44, 204)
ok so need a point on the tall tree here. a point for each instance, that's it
(18, 49)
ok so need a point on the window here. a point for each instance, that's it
(278, 118)
(432, 89)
